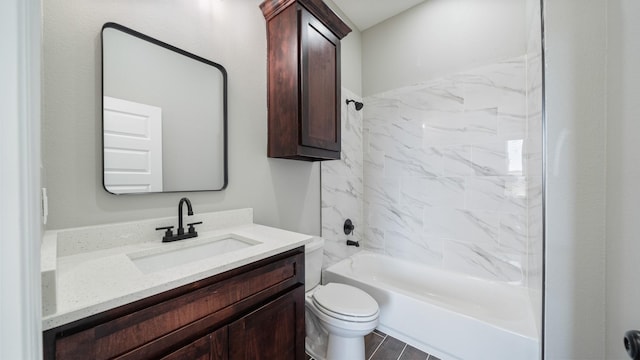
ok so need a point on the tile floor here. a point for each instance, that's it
(380, 346)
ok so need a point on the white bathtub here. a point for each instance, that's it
(446, 314)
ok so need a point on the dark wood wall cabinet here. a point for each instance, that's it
(303, 41)
(253, 312)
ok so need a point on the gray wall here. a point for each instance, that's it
(283, 193)
(351, 53)
(623, 157)
(440, 37)
(575, 62)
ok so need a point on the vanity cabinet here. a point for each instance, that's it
(268, 332)
(303, 41)
(253, 312)
(210, 347)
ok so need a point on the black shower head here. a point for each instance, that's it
(358, 104)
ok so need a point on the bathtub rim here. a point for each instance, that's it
(530, 338)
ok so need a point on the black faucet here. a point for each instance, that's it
(168, 235)
(189, 213)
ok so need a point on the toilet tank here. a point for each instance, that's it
(313, 253)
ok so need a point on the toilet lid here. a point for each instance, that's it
(345, 300)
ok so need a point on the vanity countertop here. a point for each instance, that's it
(94, 275)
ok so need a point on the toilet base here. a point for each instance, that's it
(338, 337)
(345, 348)
(316, 339)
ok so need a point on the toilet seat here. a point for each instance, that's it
(345, 302)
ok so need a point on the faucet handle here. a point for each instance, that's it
(348, 227)
(168, 233)
(192, 229)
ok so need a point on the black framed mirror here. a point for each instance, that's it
(164, 116)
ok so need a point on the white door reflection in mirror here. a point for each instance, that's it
(132, 147)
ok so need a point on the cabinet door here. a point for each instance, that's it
(320, 87)
(274, 331)
(210, 347)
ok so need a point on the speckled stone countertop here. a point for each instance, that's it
(89, 270)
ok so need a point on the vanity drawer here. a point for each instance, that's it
(154, 326)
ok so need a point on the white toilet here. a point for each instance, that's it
(338, 316)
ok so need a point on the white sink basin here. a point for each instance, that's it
(186, 251)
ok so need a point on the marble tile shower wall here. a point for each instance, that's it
(445, 173)
(342, 190)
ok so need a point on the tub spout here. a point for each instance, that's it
(353, 243)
